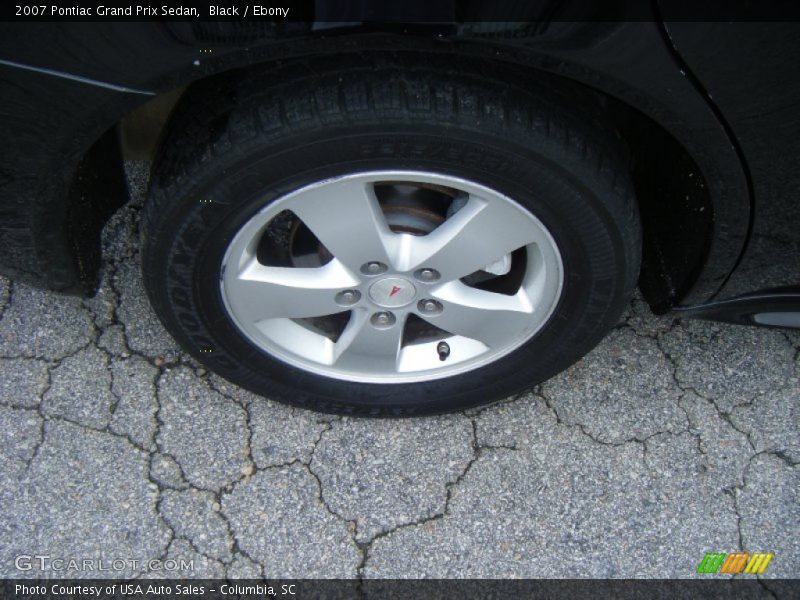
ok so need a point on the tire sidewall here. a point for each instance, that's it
(183, 266)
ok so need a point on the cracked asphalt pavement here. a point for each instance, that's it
(671, 439)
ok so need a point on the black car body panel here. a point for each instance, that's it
(721, 219)
(751, 73)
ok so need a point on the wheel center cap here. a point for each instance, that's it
(392, 292)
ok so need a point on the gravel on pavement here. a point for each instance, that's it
(671, 439)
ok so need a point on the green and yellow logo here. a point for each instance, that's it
(736, 562)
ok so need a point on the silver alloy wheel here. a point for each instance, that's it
(386, 278)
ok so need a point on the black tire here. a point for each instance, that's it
(248, 138)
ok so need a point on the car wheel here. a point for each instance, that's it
(387, 237)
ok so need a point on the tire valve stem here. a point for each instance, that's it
(444, 350)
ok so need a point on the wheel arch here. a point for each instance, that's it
(677, 180)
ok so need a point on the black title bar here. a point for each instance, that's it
(718, 588)
(405, 11)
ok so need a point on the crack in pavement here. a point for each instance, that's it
(351, 524)
(156, 451)
(216, 494)
(5, 301)
(477, 452)
(42, 416)
(733, 490)
(365, 547)
(641, 442)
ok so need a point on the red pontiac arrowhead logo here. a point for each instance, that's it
(395, 289)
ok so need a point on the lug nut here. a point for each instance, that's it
(373, 268)
(383, 320)
(427, 275)
(348, 297)
(429, 307)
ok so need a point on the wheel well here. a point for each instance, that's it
(675, 207)
(674, 202)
